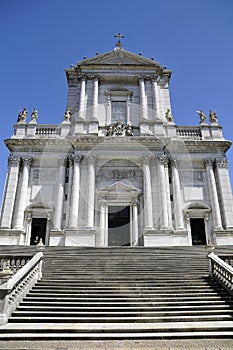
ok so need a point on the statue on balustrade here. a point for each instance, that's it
(202, 117)
(213, 117)
(22, 116)
(34, 116)
(67, 115)
(169, 116)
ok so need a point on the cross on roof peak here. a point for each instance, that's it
(119, 43)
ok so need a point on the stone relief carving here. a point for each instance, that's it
(44, 175)
(124, 174)
(119, 129)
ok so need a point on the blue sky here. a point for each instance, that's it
(39, 39)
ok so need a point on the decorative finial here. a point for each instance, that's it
(118, 43)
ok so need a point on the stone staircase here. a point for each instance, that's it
(123, 293)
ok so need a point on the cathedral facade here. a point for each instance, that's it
(117, 170)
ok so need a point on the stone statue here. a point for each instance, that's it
(118, 128)
(22, 116)
(128, 130)
(169, 116)
(34, 116)
(109, 130)
(202, 117)
(213, 117)
(67, 115)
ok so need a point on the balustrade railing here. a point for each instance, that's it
(15, 289)
(222, 272)
(45, 130)
(189, 132)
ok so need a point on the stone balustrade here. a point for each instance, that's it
(189, 132)
(221, 272)
(9, 265)
(46, 130)
(15, 289)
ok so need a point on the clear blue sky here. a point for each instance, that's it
(39, 39)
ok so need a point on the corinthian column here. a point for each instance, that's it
(60, 195)
(10, 191)
(156, 97)
(143, 100)
(147, 193)
(91, 191)
(178, 215)
(95, 96)
(73, 220)
(82, 98)
(163, 192)
(213, 195)
(224, 187)
(23, 194)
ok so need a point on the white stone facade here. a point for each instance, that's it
(117, 170)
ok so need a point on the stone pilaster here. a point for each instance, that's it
(148, 214)
(135, 222)
(95, 96)
(143, 99)
(156, 97)
(91, 191)
(82, 98)
(217, 221)
(103, 222)
(60, 195)
(10, 191)
(19, 221)
(74, 206)
(163, 192)
(224, 188)
(178, 215)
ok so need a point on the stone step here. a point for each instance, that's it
(26, 306)
(118, 319)
(125, 303)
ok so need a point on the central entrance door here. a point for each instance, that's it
(198, 231)
(118, 226)
(38, 230)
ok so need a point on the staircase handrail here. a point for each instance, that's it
(222, 272)
(15, 289)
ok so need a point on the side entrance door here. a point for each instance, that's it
(118, 226)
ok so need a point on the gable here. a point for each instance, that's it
(119, 56)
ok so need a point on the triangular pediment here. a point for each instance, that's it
(119, 56)
(120, 187)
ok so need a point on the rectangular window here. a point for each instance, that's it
(118, 111)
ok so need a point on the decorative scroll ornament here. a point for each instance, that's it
(119, 129)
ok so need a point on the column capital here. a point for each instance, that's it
(174, 163)
(146, 159)
(62, 161)
(222, 163)
(135, 202)
(77, 158)
(209, 162)
(162, 159)
(27, 161)
(13, 161)
(91, 158)
(82, 77)
(155, 78)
